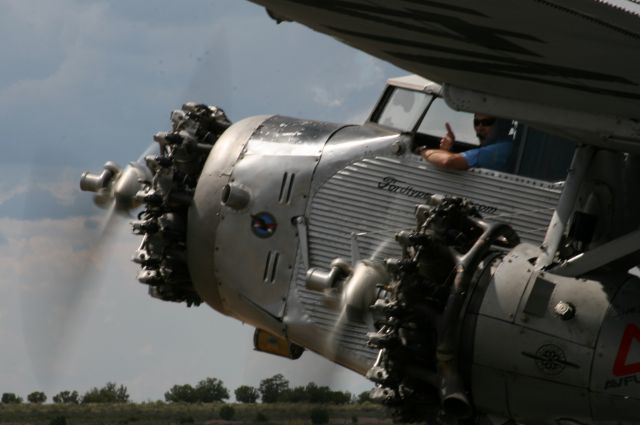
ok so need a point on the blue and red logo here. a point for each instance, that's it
(263, 225)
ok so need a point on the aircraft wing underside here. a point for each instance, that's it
(580, 55)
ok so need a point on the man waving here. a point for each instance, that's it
(493, 153)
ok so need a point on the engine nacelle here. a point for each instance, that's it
(543, 348)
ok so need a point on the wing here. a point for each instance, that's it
(579, 55)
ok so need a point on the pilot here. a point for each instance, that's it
(494, 151)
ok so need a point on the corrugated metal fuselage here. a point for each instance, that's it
(331, 191)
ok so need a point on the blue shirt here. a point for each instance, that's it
(494, 156)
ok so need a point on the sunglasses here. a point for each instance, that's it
(487, 122)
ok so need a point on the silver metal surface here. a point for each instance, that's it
(276, 166)
(567, 344)
(566, 206)
(301, 226)
(499, 48)
(597, 257)
(591, 302)
(363, 194)
(205, 213)
(616, 362)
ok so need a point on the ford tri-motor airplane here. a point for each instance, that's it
(467, 297)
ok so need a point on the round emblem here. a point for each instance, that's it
(550, 359)
(263, 225)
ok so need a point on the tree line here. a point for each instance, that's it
(109, 393)
(275, 389)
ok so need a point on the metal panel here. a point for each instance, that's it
(514, 349)
(363, 204)
(503, 294)
(563, 404)
(489, 389)
(616, 369)
(279, 149)
(614, 410)
(366, 203)
(525, 51)
(204, 213)
(546, 291)
(388, 188)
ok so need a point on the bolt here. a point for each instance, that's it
(397, 147)
(565, 310)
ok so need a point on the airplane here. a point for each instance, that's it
(467, 297)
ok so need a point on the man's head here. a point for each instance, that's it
(489, 128)
(483, 124)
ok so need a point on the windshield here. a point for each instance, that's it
(439, 114)
(404, 108)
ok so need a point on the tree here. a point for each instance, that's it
(272, 388)
(66, 397)
(181, 394)
(294, 395)
(312, 393)
(11, 398)
(211, 389)
(37, 397)
(339, 397)
(110, 393)
(227, 412)
(246, 394)
(364, 397)
(207, 391)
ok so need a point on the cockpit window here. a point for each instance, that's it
(403, 109)
(439, 113)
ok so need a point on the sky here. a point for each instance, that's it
(86, 81)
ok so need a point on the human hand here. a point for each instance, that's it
(446, 143)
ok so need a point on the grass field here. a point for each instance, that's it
(163, 413)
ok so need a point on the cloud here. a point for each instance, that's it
(355, 73)
(37, 203)
(110, 73)
(99, 75)
(44, 193)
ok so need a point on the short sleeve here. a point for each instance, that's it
(494, 157)
(471, 156)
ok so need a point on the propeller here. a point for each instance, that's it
(351, 289)
(52, 315)
(117, 189)
(53, 308)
